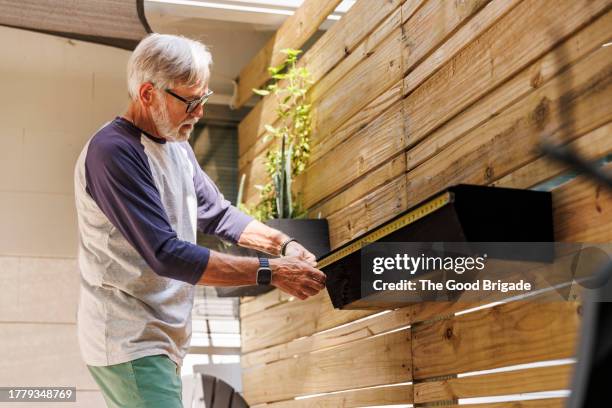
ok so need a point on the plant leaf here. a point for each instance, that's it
(261, 92)
(271, 129)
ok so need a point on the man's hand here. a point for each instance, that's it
(295, 249)
(296, 277)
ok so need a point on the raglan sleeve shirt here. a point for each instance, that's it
(120, 181)
(216, 215)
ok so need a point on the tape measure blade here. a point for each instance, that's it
(389, 228)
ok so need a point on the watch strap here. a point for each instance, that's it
(264, 263)
(264, 272)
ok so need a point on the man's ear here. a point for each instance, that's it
(146, 93)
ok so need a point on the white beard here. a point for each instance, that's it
(161, 119)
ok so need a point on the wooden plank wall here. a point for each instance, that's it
(412, 96)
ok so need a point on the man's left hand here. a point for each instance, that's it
(296, 249)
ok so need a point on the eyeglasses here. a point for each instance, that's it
(192, 104)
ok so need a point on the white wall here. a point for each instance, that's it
(54, 94)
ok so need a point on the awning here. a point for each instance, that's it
(119, 23)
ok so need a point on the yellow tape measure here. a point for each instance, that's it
(408, 218)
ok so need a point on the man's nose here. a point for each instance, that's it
(198, 112)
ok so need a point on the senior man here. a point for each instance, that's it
(140, 196)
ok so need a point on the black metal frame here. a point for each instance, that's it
(590, 383)
(191, 104)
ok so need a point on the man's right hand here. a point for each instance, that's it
(296, 277)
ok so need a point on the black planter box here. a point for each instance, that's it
(470, 214)
(313, 234)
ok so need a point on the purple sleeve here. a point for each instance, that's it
(216, 215)
(119, 179)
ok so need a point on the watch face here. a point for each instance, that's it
(264, 276)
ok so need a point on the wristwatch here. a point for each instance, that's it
(264, 273)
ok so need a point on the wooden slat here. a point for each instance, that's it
(366, 122)
(346, 35)
(431, 25)
(293, 33)
(532, 77)
(375, 178)
(512, 333)
(425, 311)
(592, 146)
(583, 211)
(492, 58)
(266, 114)
(509, 140)
(336, 44)
(372, 210)
(363, 51)
(262, 302)
(505, 383)
(391, 395)
(466, 34)
(409, 8)
(536, 403)
(255, 174)
(325, 177)
(253, 124)
(291, 320)
(380, 360)
(321, 144)
(344, 334)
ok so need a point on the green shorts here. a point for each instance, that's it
(152, 381)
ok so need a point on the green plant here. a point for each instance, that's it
(289, 156)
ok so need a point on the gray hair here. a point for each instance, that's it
(167, 61)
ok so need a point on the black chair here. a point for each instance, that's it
(219, 394)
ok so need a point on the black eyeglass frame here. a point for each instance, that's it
(191, 104)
